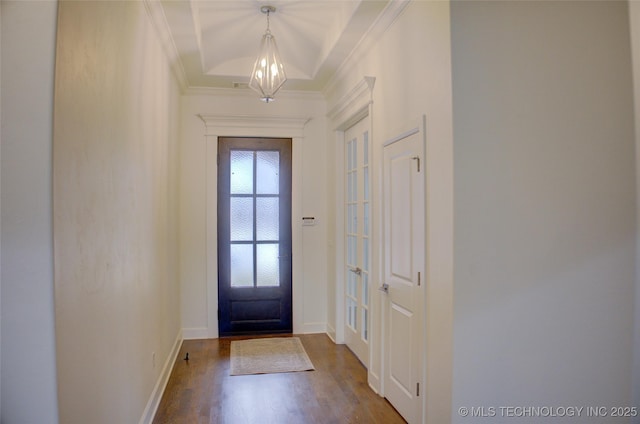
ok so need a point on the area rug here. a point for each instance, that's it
(268, 355)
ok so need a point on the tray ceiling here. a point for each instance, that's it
(217, 41)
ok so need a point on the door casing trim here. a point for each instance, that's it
(253, 126)
(353, 106)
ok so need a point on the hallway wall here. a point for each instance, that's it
(545, 205)
(115, 171)
(27, 348)
(634, 18)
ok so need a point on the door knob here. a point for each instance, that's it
(356, 270)
(384, 287)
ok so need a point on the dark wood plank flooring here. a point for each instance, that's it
(202, 391)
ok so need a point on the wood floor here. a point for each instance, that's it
(202, 391)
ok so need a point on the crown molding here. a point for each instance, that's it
(250, 94)
(159, 20)
(388, 16)
(353, 105)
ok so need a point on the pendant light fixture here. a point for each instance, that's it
(268, 71)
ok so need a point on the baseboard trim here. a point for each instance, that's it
(154, 401)
(331, 332)
(195, 333)
(374, 382)
(314, 328)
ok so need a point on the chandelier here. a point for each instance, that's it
(268, 71)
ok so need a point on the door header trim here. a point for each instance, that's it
(249, 125)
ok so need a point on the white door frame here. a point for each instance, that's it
(355, 105)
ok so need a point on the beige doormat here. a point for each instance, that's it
(268, 355)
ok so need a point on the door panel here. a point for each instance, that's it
(357, 239)
(254, 235)
(400, 323)
(404, 242)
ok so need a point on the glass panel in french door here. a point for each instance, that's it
(357, 239)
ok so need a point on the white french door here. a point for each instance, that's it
(357, 239)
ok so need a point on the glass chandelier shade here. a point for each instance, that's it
(268, 71)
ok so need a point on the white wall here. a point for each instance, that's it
(545, 205)
(412, 65)
(198, 171)
(27, 350)
(115, 212)
(634, 17)
(0, 212)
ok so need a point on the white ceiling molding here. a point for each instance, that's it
(251, 126)
(250, 94)
(390, 13)
(159, 20)
(353, 106)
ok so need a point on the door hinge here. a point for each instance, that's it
(417, 389)
(418, 277)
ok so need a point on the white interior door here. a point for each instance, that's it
(404, 249)
(357, 239)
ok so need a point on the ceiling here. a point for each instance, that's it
(216, 41)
